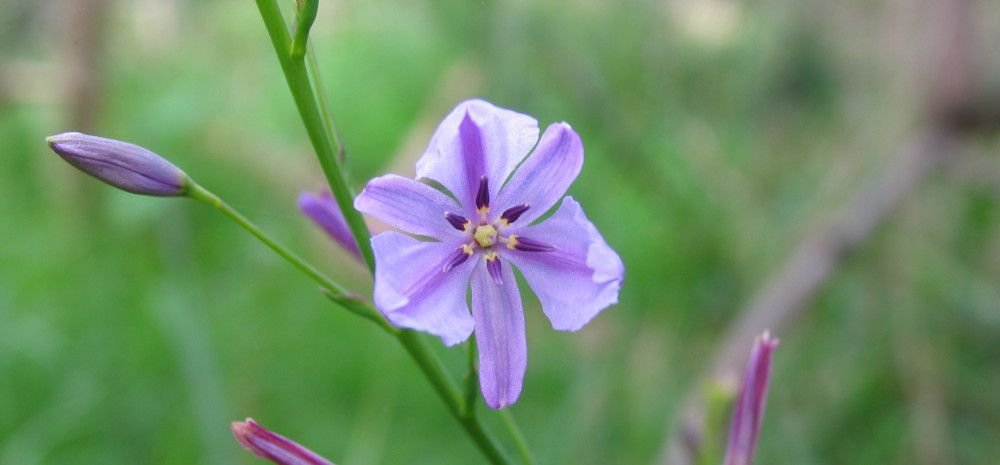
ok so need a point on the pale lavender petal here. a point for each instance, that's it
(120, 164)
(749, 409)
(272, 446)
(477, 139)
(323, 210)
(409, 205)
(544, 177)
(413, 290)
(580, 277)
(503, 352)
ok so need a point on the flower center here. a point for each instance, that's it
(486, 235)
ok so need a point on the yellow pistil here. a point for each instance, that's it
(512, 241)
(486, 235)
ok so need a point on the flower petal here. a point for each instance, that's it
(409, 205)
(503, 352)
(413, 291)
(477, 139)
(544, 177)
(323, 210)
(580, 277)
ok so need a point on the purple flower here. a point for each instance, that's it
(274, 447)
(323, 210)
(749, 409)
(123, 165)
(484, 229)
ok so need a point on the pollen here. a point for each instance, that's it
(512, 241)
(467, 249)
(486, 235)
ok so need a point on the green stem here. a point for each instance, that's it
(323, 141)
(435, 372)
(471, 380)
(303, 22)
(518, 437)
(324, 106)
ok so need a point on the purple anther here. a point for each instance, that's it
(483, 196)
(458, 221)
(527, 245)
(493, 266)
(511, 214)
(459, 257)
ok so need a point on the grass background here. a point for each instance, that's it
(718, 135)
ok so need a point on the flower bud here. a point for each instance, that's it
(323, 210)
(272, 446)
(749, 409)
(123, 165)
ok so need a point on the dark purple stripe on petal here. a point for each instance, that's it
(511, 214)
(528, 245)
(483, 195)
(493, 266)
(274, 447)
(457, 221)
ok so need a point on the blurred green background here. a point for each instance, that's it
(719, 135)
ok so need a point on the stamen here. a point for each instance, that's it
(459, 257)
(527, 245)
(493, 266)
(458, 221)
(511, 214)
(483, 196)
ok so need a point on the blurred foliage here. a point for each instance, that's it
(132, 330)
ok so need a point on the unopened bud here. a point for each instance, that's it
(749, 409)
(274, 447)
(323, 210)
(123, 165)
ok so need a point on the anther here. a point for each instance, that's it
(458, 221)
(459, 257)
(527, 245)
(493, 266)
(511, 214)
(483, 196)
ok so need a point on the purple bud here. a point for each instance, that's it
(123, 165)
(749, 409)
(272, 446)
(323, 210)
